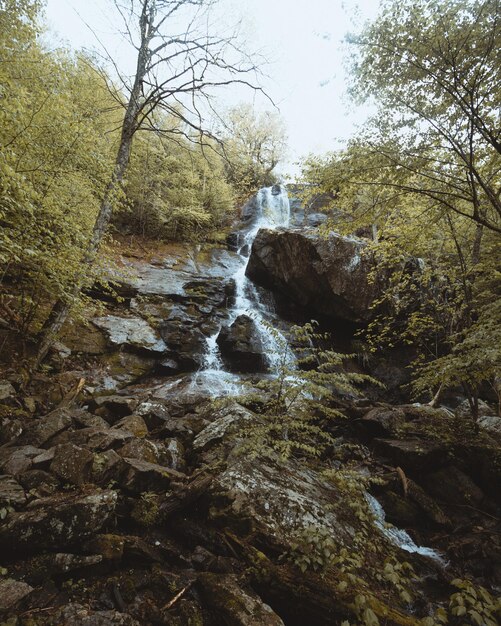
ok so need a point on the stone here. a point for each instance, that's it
(10, 429)
(11, 592)
(228, 420)
(324, 276)
(140, 476)
(413, 455)
(241, 347)
(173, 455)
(72, 464)
(39, 483)
(135, 424)
(112, 438)
(155, 414)
(57, 521)
(453, 486)
(47, 427)
(106, 467)
(78, 615)
(280, 502)
(6, 390)
(383, 421)
(492, 425)
(131, 331)
(141, 449)
(116, 406)
(463, 410)
(19, 459)
(235, 606)
(11, 492)
(63, 562)
(108, 547)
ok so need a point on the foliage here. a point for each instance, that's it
(471, 605)
(175, 189)
(55, 156)
(254, 143)
(299, 395)
(435, 66)
(426, 180)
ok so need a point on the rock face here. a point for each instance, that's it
(241, 346)
(57, 521)
(325, 276)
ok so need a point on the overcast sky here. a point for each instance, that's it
(303, 40)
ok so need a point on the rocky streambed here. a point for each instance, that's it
(137, 501)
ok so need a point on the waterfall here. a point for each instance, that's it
(397, 536)
(269, 209)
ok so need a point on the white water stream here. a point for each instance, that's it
(397, 536)
(272, 210)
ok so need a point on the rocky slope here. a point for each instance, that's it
(133, 493)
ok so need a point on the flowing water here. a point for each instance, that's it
(271, 210)
(397, 536)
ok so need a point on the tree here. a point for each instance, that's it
(175, 73)
(434, 70)
(426, 172)
(175, 190)
(254, 144)
(55, 155)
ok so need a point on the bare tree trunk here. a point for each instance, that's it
(63, 306)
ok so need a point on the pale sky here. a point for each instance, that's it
(302, 39)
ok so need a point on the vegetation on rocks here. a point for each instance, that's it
(179, 445)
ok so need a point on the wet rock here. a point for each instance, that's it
(140, 476)
(57, 521)
(184, 337)
(11, 492)
(135, 424)
(47, 427)
(169, 366)
(131, 331)
(6, 390)
(78, 615)
(72, 464)
(414, 455)
(327, 276)
(241, 347)
(234, 605)
(11, 592)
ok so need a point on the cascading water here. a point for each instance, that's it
(397, 536)
(271, 209)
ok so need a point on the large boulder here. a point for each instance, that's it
(57, 521)
(326, 276)
(241, 346)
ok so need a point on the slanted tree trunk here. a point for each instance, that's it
(63, 306)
